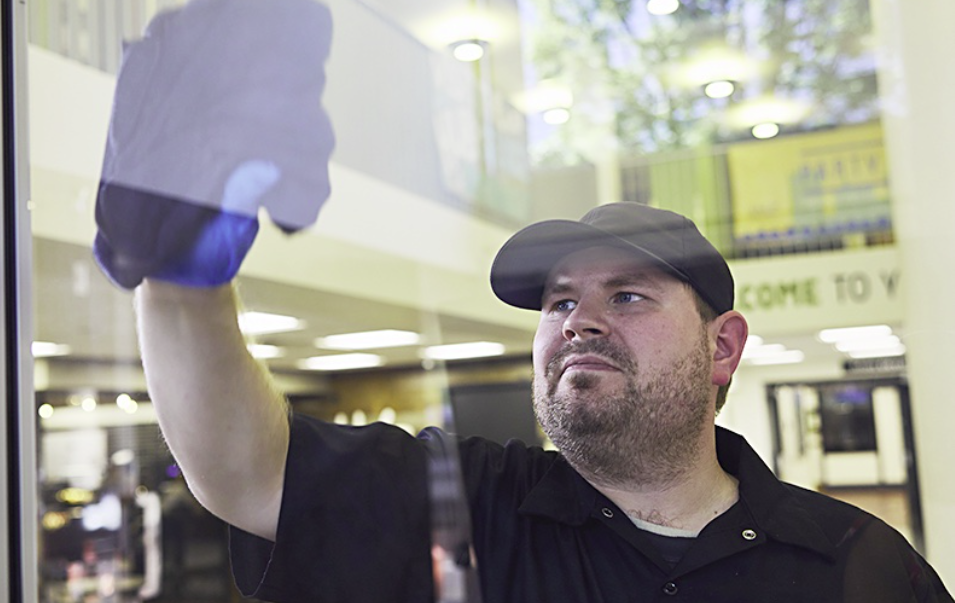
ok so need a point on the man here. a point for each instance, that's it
(647, 500)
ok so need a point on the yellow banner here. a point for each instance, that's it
(821, 183)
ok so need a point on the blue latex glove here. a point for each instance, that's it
(216, 115)
(143, 234)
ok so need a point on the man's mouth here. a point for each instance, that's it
(588, 362)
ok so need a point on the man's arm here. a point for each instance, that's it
(223, 418)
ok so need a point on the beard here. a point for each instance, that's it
(648, 432)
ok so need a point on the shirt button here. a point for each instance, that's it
(607, 512)
(670, 588)
(749, 534)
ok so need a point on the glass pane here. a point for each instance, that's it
(766, 125)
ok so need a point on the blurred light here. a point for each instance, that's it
(454, 24)
(265, 352)
(556, 116)
(261, 323)
(547, 94)
(854, 333)
(107, 514)
(754, 340)
(787, 357)
(719, 89)
(340, 362)
(468, 51)
(45, 411)
(765, 130)
(341, 418)
(75, 496)
(123, 401)
(662, 7)
(388, 415)
(46, 349)
(359, 418)
(898, 350)
(457, 351)
(763, 351)
(875, 343)
(123, 457)
(53, 520)
(88, 404)
(385, 338)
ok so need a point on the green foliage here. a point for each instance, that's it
(620, 62)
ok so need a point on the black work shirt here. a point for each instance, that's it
(354, 528)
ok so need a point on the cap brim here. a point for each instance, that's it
(520, 270)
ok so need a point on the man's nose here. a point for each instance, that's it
(586, 321)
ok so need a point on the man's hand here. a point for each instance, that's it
(216, 115)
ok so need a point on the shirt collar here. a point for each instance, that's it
(564, 496)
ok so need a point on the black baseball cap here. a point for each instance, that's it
(667, 241)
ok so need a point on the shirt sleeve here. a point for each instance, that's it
(353, 525)
(883, 567)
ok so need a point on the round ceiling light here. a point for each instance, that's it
(662, 7)
(765, 130)
(468, 51)
(719, 89)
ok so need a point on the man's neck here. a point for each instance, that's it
(688, 502)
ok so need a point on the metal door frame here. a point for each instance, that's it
(18, 479)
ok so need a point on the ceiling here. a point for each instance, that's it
(77, 306)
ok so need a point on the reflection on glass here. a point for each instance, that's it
(437, 161)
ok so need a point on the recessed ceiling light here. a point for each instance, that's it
(341, 362)
(468, 51)
(46, 349)
(366, 340)
(458, 351)
(854, 333)
(787, 357)
(765, 130)
(261, 323)
(762, 351)
(861, 345)
(719, 89)
(898, 350)
(265, 352)
(662, 7)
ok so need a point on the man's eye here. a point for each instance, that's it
(564, 305)
(627, 297)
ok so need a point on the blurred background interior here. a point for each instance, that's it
(804, 137)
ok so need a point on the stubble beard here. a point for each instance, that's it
(646, 433)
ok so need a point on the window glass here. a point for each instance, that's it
(763, 122)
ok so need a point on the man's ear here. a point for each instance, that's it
(730, 331)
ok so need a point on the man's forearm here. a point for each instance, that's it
(222, 416)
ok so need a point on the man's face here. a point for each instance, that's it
(623, 368)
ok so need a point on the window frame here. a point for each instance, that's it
(18, 479)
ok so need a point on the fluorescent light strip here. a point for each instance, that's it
(386, 338)
(341, 362)
(458, 351)
(265, 352)
(898, 350)
(787, 357)
(261, 323)
(46, 349)
(854, 333)
(861, 345)
(762, 351)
